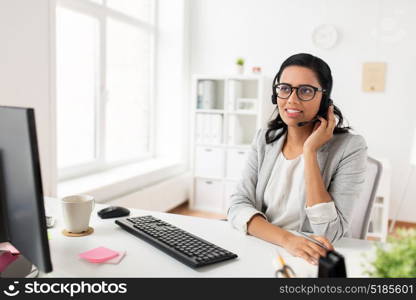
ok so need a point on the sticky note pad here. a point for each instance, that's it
(6, 258)
(9, 247)
(98, 255)
(116, 259)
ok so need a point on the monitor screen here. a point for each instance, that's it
(23, 215)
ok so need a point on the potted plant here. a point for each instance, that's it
(240, 65)
(397, 258)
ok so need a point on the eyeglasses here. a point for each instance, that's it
(304, 92)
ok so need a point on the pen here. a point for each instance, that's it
(285, 270)
(313, 240)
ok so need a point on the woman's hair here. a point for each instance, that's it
(324, 76)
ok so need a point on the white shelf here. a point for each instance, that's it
(210, 111)
(239, 100)
(242, 112)
(211, 145)
(239, 145)
(209, 178)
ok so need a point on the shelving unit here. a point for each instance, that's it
(378, 227)
(226, 113)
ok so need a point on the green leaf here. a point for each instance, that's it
(397, 258)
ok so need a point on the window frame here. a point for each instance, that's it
(102, 13)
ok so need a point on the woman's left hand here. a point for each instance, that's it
(322, 132)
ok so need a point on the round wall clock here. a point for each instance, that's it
(325, 36)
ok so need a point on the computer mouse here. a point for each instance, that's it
(113, 212)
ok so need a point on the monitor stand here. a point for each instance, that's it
(20, 268)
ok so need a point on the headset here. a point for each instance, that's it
(323, 110)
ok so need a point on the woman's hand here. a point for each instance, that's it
(301, 247)
(322, 132)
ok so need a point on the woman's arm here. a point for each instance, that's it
(242, 205)
(329, 212)
(243, 215)
(323, 131)
(316, 192)
(333, 220)
(296, 245)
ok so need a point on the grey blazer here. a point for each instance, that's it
(342, 161)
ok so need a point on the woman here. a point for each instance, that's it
(301, 177)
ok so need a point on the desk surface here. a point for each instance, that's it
(255, 257)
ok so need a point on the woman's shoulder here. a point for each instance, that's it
(260, 137)
(350, 139)
(261, 133)
(346, 143)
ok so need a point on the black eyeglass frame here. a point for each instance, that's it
(315, 89)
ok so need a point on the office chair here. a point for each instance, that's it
(363, 208)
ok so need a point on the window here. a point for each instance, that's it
(104, 68)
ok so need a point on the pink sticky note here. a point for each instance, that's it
(6, 258)
(98, 255)
(8, 247)
(116, 259)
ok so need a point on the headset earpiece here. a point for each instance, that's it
(274, 95)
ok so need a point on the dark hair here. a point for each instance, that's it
(323, 73)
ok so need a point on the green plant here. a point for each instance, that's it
(397, 258)
(240, 61)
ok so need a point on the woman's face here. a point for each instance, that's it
(293, 110)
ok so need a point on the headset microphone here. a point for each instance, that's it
(329, 103)
(301, 124)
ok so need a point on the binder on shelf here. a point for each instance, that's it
(208, 129)
(234, 92)
(217, 129)
(211, 132)
(206, 136)
(198, 131)
(208, 94)
(199, 95)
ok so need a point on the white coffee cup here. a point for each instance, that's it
(76, 210)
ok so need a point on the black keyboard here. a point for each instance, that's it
(185, 247)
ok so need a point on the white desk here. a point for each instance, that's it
(255, 256)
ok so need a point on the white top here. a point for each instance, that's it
(282, 192)
(284, 196)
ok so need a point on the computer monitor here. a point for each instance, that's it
(22, 212)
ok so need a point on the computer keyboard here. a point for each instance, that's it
(184, 246)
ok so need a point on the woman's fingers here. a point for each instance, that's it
(318, 250)
(317, 124)
(305, 255)
(331, 118)
(324, 241)
(324, 122)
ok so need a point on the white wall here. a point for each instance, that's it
(172, 68)
(266, 32)
(25, 71)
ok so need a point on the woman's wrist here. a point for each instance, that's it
(285, 238)
(309, 153)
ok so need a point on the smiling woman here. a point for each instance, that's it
(305, 171)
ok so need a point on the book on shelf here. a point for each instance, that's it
(206, 94)
(234, 92)
(208, 129)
